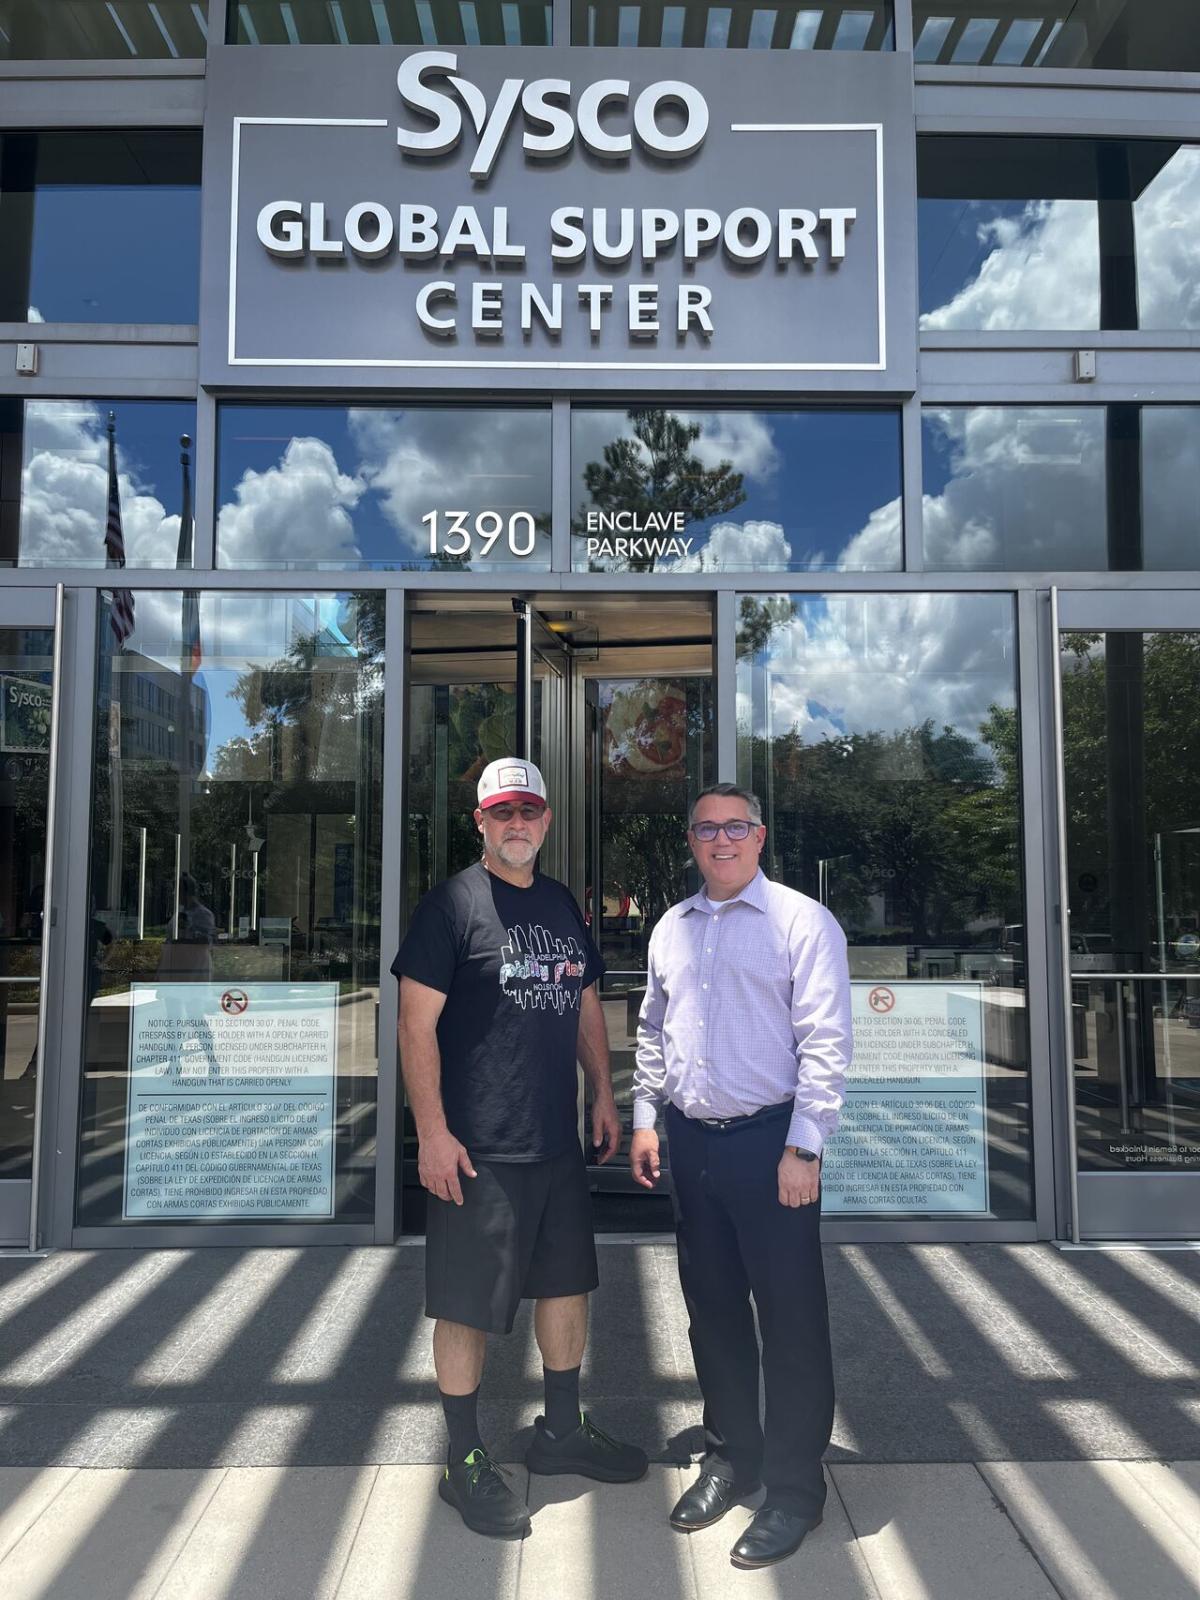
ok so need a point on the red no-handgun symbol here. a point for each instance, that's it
(234, 1002)
(881, 999)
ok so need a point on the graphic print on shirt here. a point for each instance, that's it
(539, 971)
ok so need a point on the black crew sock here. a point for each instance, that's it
(562, 1401)
(462, 1423)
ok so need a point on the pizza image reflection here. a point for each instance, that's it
(647, 728)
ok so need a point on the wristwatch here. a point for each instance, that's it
(805, 1155)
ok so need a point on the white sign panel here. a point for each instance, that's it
(912, 1132)
(232, 1089)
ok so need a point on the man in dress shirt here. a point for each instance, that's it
(744, 1039)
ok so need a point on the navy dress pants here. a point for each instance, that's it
(736, 1241)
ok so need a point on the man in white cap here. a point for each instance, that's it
(498, 1000)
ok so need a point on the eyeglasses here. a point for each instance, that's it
(734, 830)
(505, 813)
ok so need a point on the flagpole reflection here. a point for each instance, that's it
(121, 622)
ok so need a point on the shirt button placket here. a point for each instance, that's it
(707, 965)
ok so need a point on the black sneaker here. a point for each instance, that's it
(587, 1451)
(479, 1492)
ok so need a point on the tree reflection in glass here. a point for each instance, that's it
(881, 734)
(711, 491)
(1131, 752)
(236, 828)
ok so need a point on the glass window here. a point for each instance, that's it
(881, 734)
(453, 489)
(1055, 488)
(230, 1067)
(55, 482)
(1014, 487)
(750, 491)
(1057, 233)
(742, 24)
(1008, 235)
(1114, 35)
(389, 22)
(1166, 228)
(100, 227)
(26, 689)
(70, 30)
(1131, 760)
(1170, 487)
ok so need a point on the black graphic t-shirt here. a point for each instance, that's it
(512, 964)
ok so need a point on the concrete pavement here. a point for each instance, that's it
(1013, 1421)
(1003, 1531)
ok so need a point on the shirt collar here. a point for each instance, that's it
(754, 894)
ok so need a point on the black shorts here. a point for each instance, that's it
(523, 1232)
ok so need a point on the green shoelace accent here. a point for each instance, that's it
(598, 1434)
(480, 1462)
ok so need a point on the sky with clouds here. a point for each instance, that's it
(1002, 265)
(339, 486)
(64, 481)
(822, 489)
(855, 664)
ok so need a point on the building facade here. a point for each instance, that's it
(806, 395)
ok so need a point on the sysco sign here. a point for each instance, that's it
(605, 116)
(546, 212)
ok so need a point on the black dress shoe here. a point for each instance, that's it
(707, 1501)
(773, 1535)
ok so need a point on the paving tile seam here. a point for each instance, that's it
(997, 1500)
(867, 1567)
(421, 1391)
(8, 1549)
(353, 1539)
(520, 1561)
(220, 1473)
(1190, 1531)
(682, 1463)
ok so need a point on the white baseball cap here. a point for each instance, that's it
(510, 779)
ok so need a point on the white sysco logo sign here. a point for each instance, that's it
(603, 115)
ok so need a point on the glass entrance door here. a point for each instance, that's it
(648, 753)
(617, 701)
(28, 721)
(482, 684)
(1130, 812)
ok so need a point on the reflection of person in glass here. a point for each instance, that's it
(187, 959)
(498, 999)
(744, 1037)
(197, 929)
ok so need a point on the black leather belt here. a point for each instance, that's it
(732, 1124)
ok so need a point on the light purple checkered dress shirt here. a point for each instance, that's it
(746, 1006)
